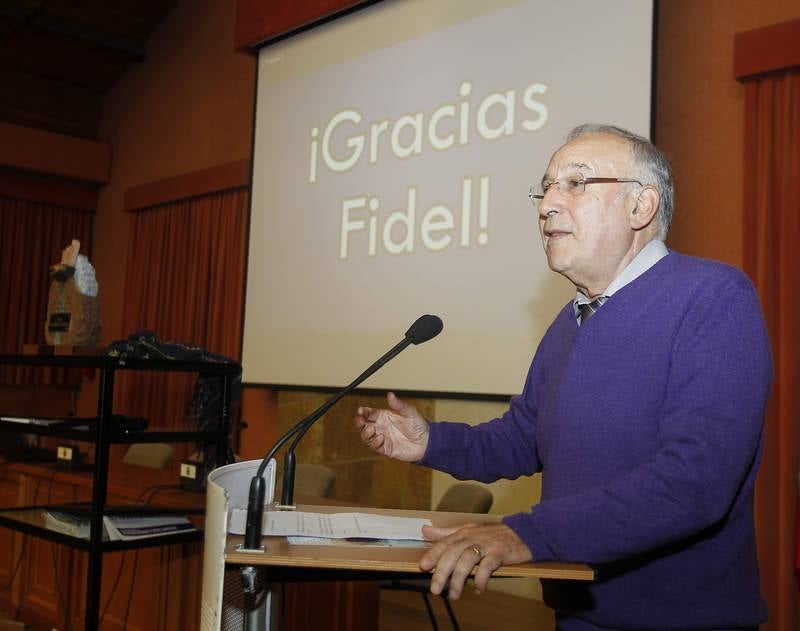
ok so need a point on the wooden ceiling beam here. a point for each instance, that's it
(59, 58)
(132, 47)
(64, 60)
(35, 101)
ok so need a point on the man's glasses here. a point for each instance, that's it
(572, 186)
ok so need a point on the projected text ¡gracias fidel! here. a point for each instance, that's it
(406, 138)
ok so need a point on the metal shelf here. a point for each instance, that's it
(101, 431)
(89, 434)
(31, 521)
(116, 363)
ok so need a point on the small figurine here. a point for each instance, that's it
(73, 307)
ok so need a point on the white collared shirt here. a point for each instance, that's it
(650, 254)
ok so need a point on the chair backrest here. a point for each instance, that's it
(313, 479)
(466, 497)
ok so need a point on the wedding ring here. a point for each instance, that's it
(478, 552)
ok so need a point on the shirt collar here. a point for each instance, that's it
(650, 254)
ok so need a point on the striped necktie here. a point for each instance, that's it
(587, 309)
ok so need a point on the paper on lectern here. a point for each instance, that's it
(333, 525)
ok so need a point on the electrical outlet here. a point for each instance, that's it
(192, 475)
(70, 458)
(189, 470)
(65, 454)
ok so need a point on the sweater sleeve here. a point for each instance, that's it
(707, 451)
(502, 448)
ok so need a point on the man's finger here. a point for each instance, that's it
(447, 556)
(461, 572)
(398, 405)
(439, 535)
(434, 533)
(364, 411)
(488, 564)
(367, 433)
(432, 558)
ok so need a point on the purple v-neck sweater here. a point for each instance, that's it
(647, 425)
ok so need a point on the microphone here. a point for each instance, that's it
(425, 328)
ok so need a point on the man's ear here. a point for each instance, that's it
(644, 211)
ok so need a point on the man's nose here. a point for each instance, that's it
(547, 208)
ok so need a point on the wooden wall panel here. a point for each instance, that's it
(766, 49)
(260, 20)
(47, 190)
(54, 154)
(12, 544)
(163, 593)
(37, 400)
(46, 589)
(331, 606)
(183, 605)
(362, 477)
(166, 584)
(700, 118)
(203, 182)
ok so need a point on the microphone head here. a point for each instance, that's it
(425, 328)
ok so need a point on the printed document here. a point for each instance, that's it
(333, 525)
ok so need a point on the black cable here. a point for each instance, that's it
(113, 588)
(130, 593)
(156, 488)
(146, 497)
(56, 583)
(50, 479)
(18, 563)
(153, 491)
(59, 595)
(36, 489)
(24, 544)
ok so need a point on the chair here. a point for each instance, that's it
(462, 497)
(315, 480)
(466, 497)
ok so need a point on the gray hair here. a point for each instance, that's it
(653, 166)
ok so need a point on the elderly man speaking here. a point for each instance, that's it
(643, 409)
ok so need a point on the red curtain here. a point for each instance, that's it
(771, 238)
(32, 236)
(184, 281)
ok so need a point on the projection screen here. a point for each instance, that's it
(393, 152)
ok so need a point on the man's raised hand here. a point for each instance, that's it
(399, 432)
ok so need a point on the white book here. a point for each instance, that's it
(31, 420)
(132, 527)
(68, 523)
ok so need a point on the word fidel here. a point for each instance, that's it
(446, 127)
(435, 227)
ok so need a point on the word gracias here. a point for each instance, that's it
(344, 142)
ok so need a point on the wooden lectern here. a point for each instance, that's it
(346, 561)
